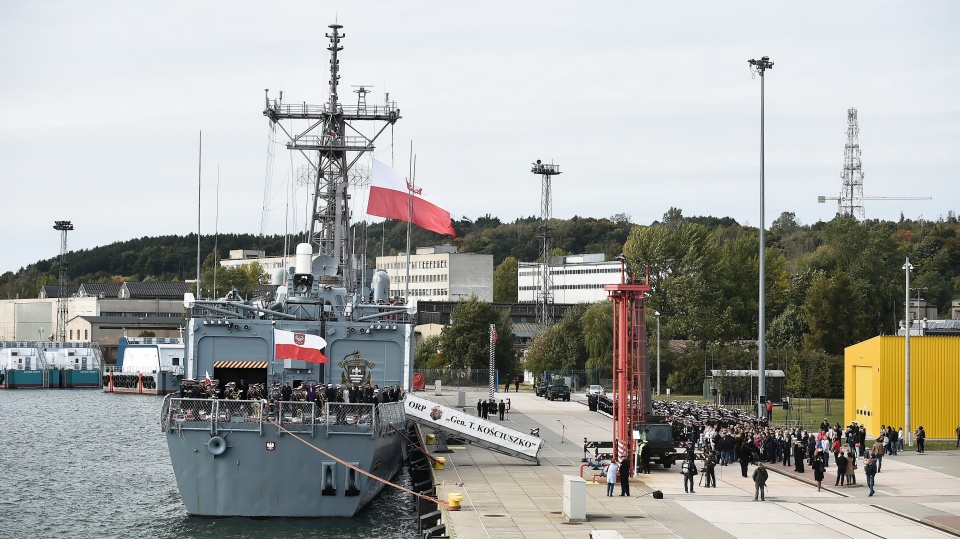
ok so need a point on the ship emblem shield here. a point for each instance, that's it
(436, 413)
(356, 370)
(299, 339)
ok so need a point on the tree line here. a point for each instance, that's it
(828, 285)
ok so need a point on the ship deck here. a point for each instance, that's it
(506, 498)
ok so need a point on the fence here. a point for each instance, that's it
(215, 416)
(478, 379)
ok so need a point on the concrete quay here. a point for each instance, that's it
(918, 496)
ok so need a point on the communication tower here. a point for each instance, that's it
(850, 201)
(61, 331)
(544, 309)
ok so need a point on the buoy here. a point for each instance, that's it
(438, 463)
(453, 500)
(217, 445)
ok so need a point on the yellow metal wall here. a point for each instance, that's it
(934, 384)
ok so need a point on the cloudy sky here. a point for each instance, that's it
(644, 105)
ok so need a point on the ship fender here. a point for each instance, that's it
(216, 445)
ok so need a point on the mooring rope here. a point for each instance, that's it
(435, 500)
(419, 447)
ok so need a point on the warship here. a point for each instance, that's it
(318, 368)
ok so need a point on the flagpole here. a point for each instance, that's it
(493, 348)
(413, 183)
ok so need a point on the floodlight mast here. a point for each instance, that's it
(761, 66)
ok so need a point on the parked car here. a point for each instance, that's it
(558, 391)
(541, 388)
(595, 390)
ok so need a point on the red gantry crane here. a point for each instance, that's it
(631, 382)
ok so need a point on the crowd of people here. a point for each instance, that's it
(308, 392)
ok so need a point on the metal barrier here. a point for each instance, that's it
(298, 417)
(390, 414)
(238, 415)
(344, 418)
(215, 415)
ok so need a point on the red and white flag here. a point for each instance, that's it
(206, 381)
(303, 346)
(390, 194)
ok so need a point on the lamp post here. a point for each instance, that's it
(907, 429)
(761, 66)
(657, 313)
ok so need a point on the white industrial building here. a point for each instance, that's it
(574, 279)
(440, 274)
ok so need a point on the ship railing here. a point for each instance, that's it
(390, 414)
(343, 418)
(299, 417)
(235, 415)
(212, 415)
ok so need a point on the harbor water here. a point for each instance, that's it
(87, 464)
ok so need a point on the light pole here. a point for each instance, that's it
(907, 430)
(761, 66)
(657, 313)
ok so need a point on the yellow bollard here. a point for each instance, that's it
(430, 439)
(438, 463)
(453, 500)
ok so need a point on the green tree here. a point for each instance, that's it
(683, 265)
(465, 343)
(426, 355)
(505, 281)
(834, 313)
(598, 334)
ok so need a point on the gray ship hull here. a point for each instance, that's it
(249, 468)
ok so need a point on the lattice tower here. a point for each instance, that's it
(631, 378)
(851, 194)
(332, 143)
(61, 330)
(544, 309)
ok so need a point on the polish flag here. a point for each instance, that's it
(206, 381)
(303, 346)
(389, 194)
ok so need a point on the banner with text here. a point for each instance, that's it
(473, 426)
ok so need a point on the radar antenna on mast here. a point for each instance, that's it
(332, 145)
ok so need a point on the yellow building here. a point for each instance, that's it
(874, 386)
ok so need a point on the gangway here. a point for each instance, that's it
(472, 429)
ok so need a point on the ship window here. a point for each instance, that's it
(176, 361)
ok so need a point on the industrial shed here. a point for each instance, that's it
(874, 384)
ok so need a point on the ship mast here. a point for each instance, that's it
(332, 145)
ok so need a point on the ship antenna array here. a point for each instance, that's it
(61, 331)
(544, 308)
(332, 145)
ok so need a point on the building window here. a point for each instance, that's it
(86, 335)
(71, 334)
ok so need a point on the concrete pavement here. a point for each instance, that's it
(505, 497)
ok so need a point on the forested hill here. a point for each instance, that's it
(857, 260)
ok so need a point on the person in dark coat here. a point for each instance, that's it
(625, 476)
(244, 390)
(760, 482)
(746, 455)
(286, 393)
(798, 456)
(501, 408)
(818, 470)
(708, 470)
(841, 469)
(644, 458)
(479, 408)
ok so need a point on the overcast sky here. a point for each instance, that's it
(643, 105)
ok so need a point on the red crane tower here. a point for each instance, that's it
(631, 383)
